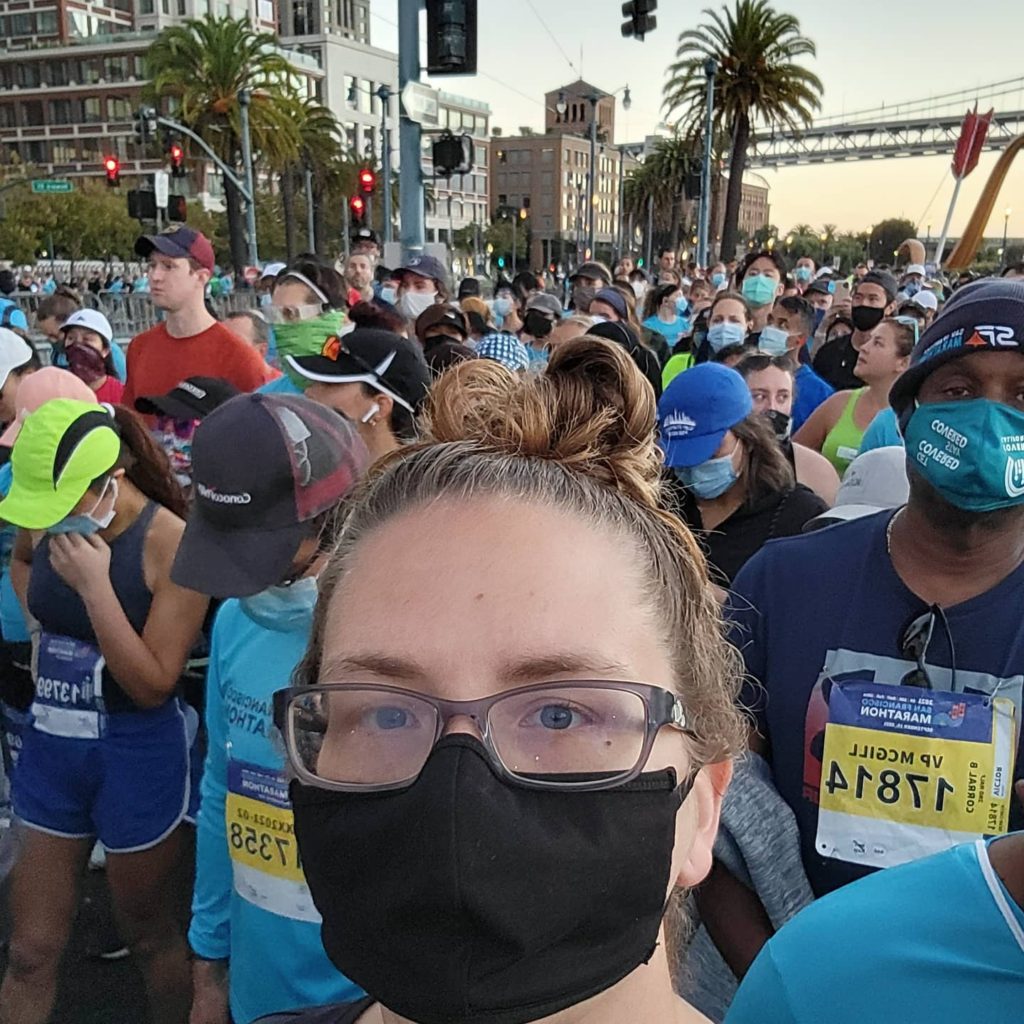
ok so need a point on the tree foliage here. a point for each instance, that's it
(759, 80)
(888, 235)
(90, 222)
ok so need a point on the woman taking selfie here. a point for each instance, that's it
(470, 765)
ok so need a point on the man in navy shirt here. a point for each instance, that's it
(926, 599)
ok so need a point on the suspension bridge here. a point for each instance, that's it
(925, 127)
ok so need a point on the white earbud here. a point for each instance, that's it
(371, 412)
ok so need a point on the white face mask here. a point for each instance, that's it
(411, 304)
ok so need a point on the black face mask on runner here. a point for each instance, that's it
(466, 899)
(537, 325)
(866, 318)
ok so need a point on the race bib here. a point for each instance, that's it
(69, 688)
(908, 772)
(261, 840)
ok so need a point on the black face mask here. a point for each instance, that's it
(582, 297)
(866, 318)
(466, 899)
(536, 324)
(781, 423)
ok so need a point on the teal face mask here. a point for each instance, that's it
(971, 452)
(802, 274)
(759, 290)
(710, 479)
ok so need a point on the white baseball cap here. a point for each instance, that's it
(926, 300)
(914, 268)
(91, 320)
(874, 481)
(15, 351)
(272, 270)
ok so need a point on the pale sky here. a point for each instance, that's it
(869, 53)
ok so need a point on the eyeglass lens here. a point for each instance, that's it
(381, 737)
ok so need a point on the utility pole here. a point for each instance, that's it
(384, 94)
(410, 185)
(704, 215)
(244, 99)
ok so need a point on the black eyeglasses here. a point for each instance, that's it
(914, 641)
(363, 737)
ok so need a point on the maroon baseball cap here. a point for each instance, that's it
(250, 516)
(181, 243)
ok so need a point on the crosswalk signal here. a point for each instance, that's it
(367, 181)
(357, 206)
(451, 37)
(112, 166)
(177, 155)
(641, 20)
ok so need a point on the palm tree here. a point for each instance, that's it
(200, 67)
(758, 79)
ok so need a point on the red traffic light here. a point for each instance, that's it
(177, 155)
(112, 166)
(357, 205)
(367, 181)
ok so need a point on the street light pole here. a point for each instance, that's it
(384, 94)
(244, 99)
(310, 218)
(1006, 225)
(410, 185)
(514, 219)
(704, 213)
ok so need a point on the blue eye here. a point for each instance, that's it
(391, 718)
(556, 716)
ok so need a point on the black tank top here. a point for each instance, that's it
(340, 1013)
(60, 610)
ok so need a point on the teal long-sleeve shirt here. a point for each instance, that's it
(251, 905)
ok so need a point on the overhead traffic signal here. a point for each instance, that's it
(177, 155)
(357, 207)
(112, 167)
(641, 18)
(367, 181)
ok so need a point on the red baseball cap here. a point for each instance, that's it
(181, 243)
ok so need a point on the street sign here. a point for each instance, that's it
(162, 188)
(420, 104)
(52, 185)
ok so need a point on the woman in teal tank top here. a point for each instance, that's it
(836, 428)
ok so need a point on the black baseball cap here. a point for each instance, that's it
(883, 279)
(250, 515)
(192, 399)
(386, 361)
(365, 235)
(181, 243)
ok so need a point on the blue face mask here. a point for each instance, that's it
(723, 335)
(87, 523)
(911, 288)
(388, 295)
(718, 279)
(819, 315)
(774, 341)
(284, 606)
(502, 307)
(682, 306)
(758, 289)
(710, 479)
(802, 274)
(971, 452)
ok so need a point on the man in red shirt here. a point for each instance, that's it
(189, 342)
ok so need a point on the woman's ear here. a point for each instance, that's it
(701, 823)
(386, 404)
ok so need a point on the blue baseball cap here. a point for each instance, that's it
(696, 410)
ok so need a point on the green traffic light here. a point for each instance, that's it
(501, 261)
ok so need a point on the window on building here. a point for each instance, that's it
(92, 109)
(27, 73)
(7, 112)
(146, 7)
(302, 18)
(119, 108)
(64, 152)
(61, 112)
(46, 23)
(547, 156)
(351, 92)
(32, 112)
(35, 152)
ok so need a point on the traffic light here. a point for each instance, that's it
(177, 155)
(452, 154)
(367, 181)
(145, 125)
(451, 37)
(641, 18)
(112, 166)
(357, 207)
